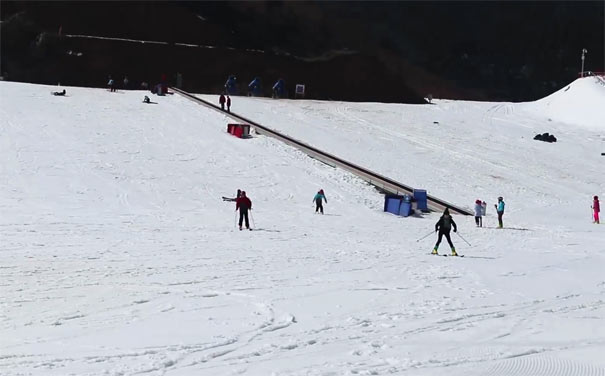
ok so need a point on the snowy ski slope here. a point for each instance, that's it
(118, 256)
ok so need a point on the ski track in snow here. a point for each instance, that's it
(118, 257)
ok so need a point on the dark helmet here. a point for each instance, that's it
(243, 193)
(500, 198)
(446, 211)
(596, 197)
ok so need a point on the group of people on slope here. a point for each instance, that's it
(111, 84)
(244, 205)
(445, 224)
(481, 209)
(225, 100)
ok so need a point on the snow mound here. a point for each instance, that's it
(579, 103)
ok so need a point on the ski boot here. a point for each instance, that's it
(454, 252)
(434, 252)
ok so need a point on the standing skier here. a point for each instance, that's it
(244, 204)
(478, 213)
(596, 208)
(500, 209)
(228, 104)
(444, 226)
(221, 100)
(318, 197)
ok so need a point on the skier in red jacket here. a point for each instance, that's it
(221, 100)
(596, 208)
(244, 204)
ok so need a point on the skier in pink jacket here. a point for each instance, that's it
(596, 208)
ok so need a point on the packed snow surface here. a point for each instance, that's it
(119, 257)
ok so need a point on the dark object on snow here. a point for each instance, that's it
(59, 93)
(545, 137)
(146, 100)
(602, 153)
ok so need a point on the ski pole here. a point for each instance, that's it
(252, 218)
(425, 236)
(235, 220)
(463, 238)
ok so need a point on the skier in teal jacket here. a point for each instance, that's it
(318, 204)
(500, 209)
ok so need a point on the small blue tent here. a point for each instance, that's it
(255, 87)
(231, 85)
(279, 89)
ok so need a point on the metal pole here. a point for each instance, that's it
(425, 236)
(463, 239)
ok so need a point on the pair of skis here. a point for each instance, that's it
(445, 255)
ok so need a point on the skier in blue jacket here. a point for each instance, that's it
(500, 209)
(318, 204)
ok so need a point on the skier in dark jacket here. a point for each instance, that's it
(318, 204)
(444, 226)
(228, 104)
(244, 204)
(221, 100)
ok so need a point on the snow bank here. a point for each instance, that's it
(581, 103)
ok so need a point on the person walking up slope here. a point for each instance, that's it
(596, 208)
(444, 225)
(318, 204)
(221, 100)
(244, 204)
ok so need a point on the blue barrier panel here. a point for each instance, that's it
(421, 199)
(392, 205)
(405, 209)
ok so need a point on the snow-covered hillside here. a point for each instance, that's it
(118, 256)
(580, 104)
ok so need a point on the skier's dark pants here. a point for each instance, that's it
(500, 214)
(243, 213)
(319, 206)
(447, 236)
(223, 106)
(478, 221)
